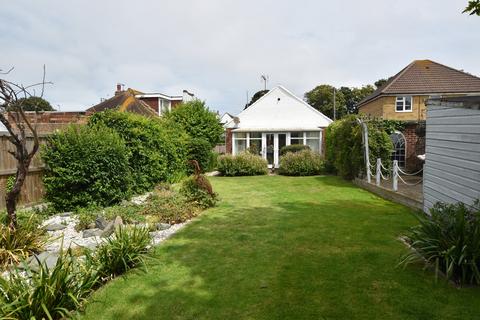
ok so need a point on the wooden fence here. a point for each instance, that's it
(33, 189)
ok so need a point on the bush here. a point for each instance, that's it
(344, 150)
(127, 249)
(46, 294)
(168, 206)
(85, 166)
(198, 121)
(302, 163)
(244, 164)
(293, 148)
(449, 240)
(200, 150)
(198, 190)
(157, 149)
(18, 245)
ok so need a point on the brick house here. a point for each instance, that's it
(403, 98)
(146, 104)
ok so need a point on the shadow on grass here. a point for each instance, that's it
(294, 260)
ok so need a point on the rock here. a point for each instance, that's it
(100, 222)
(118, 222)
(212, 174)
(66, 214)
(162, 226)
(48, 259)
(107, 232)
(92, 225)
(55, 227)
(92, 233)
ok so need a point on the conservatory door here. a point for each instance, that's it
(273, 143)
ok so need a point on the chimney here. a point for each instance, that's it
(119, 88)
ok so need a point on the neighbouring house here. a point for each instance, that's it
(452, 164)
(277, 119)
(146, 104)
(226, 118)
(403, 98)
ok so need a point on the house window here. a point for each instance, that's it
(165, 106)
(313, 140)
(403, 104)
(296, 138)
(256, 143)
(398, 140)
(240, 142)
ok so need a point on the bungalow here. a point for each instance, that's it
(277, 119)
(403, 98)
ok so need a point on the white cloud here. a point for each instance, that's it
(218, 49)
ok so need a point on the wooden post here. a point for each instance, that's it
(378, 173)
(395, 175)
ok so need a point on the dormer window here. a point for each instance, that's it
(403, 104)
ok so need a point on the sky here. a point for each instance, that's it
(218, 49)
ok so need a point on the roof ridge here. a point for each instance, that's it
(398, 75)
(451, 68)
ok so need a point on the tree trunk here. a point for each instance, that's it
(12, 196)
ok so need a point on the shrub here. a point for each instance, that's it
(17, 245)
(157, 149)
(168, 206)
(46, 294)
(130, 213)
(293, 148)
(85, 166)
(199, 150)
(198, 121)
(302, 163)
(127, 249)
(449, 240)
(244, 164)
(344, 150)
(198, 190)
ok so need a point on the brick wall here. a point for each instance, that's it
(175, 103)
(49, 121)
(152, 102)
(415, 145)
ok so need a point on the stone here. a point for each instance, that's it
(66, 214)
(107, 232)
(48, 259)
(162, 226)
(100, 222)
(92, 233)
(118, 222)
(55, 227)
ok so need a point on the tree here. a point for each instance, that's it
(256, 96)
(35, 104)
(354, 95)
(18, 125)
(473, 8)
(321, 98)
(380, 83)
(198, 121)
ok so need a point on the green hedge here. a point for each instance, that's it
(293, 148)
(301, 163)
(85, 166)
(199, 149)
(344, 151)
(244, 164)
(157, 150)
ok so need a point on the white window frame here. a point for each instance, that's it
(404, 100)
(160, 105)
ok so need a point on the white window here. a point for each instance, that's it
(255, 143)
(296, 138)
(403, 104)
(239, 142)
(313, 140)
(164, 106)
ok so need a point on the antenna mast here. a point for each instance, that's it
(264, 78)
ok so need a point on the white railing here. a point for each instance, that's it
(395, 174)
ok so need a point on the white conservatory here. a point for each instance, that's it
(277, 119)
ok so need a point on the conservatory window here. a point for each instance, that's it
(313, 140)
(296, 138)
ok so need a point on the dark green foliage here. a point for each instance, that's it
(245, 164)
(302, 163)
(354, 95)
(390, 126)
(256, 96)
(473, 8)
(448, 240)
(322, 97)
(380, 82)
(47, 294)
(198, 121)
(34, 104)
(293, 148)
(200, 150)
(156, 149)
(125, 250)
(85, 166)
(344, 150)
(198, 190)
(168, 206)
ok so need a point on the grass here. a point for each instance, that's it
(286, 248)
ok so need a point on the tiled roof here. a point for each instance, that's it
(125, 101)
(427, 77)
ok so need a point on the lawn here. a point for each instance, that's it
(286, 248)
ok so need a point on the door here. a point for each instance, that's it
(281, 142)
(273, 143)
